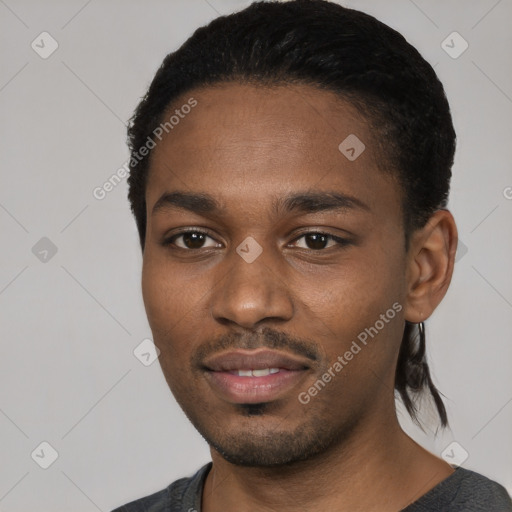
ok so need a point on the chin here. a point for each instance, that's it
(257, 446)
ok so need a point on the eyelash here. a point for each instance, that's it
(342, 242)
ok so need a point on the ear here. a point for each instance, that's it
(430, 262)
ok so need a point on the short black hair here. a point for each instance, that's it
(345, 51)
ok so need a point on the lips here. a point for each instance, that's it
(255, 376)
(254, 360)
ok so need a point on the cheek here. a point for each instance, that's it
(155, 294)
(170, 309)
(169, 303)
(166, 293)
(345, 300)
(350, 293)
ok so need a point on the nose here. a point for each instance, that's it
(251, 293)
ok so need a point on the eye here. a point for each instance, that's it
(195, 240)
(317, 241)
(190, 240)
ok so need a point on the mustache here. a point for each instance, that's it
(265, 338)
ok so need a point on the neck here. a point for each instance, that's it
(379, 469)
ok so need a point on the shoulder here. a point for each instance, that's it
(487, 489)
(464, 490)
(181, 495)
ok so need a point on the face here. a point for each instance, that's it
(274, 271)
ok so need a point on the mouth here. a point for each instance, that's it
(254, 373)
(256, 376)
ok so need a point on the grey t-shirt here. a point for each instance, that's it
(462, 491)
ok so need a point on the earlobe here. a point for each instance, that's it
(430, 262)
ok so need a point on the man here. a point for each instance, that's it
(289, 178)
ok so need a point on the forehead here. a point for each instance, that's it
(247, 141)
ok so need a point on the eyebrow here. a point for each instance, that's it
(301, 202)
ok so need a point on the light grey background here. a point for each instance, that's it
(69, 324)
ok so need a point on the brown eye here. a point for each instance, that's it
(191, 240)
(318, 241)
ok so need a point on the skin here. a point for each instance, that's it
(246, 145)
